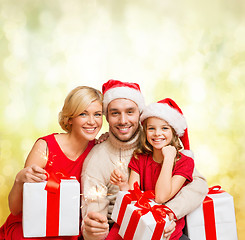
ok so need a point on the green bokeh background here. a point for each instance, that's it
(191, 51)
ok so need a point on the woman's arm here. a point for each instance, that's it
(33, 172)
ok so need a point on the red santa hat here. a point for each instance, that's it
(114, 89)
(170, 112)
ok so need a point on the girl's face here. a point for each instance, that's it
(89, 122)
(158, 133)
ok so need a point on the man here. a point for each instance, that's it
(123, 103)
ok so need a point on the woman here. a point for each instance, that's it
(81, 118)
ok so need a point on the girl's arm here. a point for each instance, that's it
(166, 185)
(33, 172)
(134, 177)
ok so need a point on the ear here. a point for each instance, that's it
(70, 121)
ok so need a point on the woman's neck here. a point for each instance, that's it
(71, 145)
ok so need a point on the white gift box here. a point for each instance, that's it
(117, 205)
(224, 215)
(146, 224)
(35, 209)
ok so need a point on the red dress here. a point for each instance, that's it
(149, 171)
(57, 160)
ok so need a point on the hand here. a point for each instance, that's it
(32, 173)
(169, 151)
(169, 229)
(95, 226)
(118, 178)
(102, 138)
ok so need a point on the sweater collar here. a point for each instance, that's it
(132, 144)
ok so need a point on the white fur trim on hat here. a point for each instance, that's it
(123, 92)
(167, 113)
(188, 153)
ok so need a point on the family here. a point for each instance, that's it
(146, 144)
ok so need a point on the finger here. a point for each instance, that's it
(37, 169)
(169, 229)
(34, 178)
(97, 217)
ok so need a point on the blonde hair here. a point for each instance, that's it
(76, 102)
(146, 148)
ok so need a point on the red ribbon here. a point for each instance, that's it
(53, 202)
(133, 195)
(208, 213)
(159, 212)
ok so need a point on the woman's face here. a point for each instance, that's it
(158, 132)
(89, 122)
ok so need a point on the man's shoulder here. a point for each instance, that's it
(99, 148)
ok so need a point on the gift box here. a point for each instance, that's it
(127, 197)
(123, 199)
(214, 219)
(144, 222)
(51, 209)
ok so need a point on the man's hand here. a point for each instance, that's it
(169, 229)
(95, 226)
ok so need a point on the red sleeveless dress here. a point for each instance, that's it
(57, 160)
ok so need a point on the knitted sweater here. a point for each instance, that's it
(112, 154)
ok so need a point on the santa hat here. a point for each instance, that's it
(169, 111)
(114, 89)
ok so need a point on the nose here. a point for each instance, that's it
(123, 118)
(91, 120)
(158, 132)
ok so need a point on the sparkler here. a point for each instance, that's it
(121, 165)
(95, 194)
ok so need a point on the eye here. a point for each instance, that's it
(82, 114)
(98, 114)
(114, 113)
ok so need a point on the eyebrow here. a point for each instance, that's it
(150, 125)
(116, 109)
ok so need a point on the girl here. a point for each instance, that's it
(81, 118)
(158, 163)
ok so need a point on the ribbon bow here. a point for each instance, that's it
(133, 195)
(215, 189)
(159, 212)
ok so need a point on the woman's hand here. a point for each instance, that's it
(32, 173)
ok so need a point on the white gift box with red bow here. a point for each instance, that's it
(51, 213)
(138, 216)
(214, 219)
(146, 226)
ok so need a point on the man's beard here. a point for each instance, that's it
(135, 133)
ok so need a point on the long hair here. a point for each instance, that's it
(146, 148)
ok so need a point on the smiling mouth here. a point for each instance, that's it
(158, 140)
(90, 130)
(123, 129)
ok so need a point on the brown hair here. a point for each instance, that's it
(146, 148)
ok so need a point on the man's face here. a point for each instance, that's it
(123, 118)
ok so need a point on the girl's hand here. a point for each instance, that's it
(118, 178)
(32, 173)
(169, 152)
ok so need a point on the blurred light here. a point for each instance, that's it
(207, 161)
